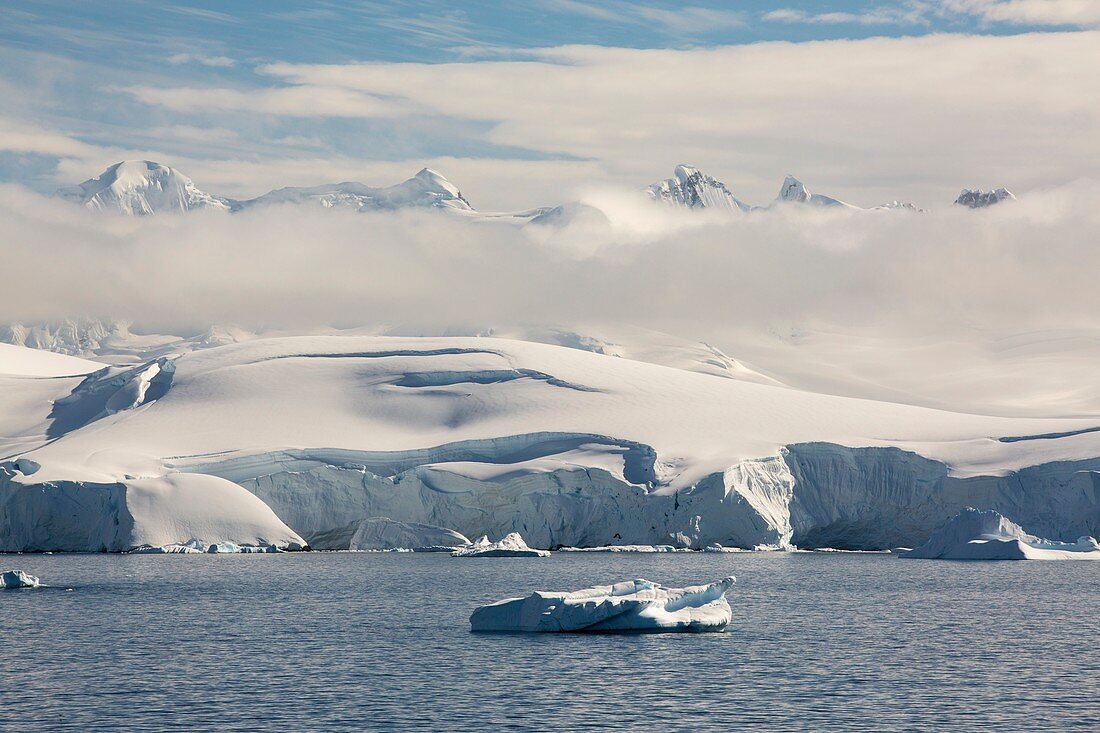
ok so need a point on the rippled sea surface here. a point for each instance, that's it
(381, 642)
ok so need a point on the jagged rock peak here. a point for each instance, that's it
(691, 188)
(793, 190)
(978, 199)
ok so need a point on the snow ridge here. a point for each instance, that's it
(427, 188)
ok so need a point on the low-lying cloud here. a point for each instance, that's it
(1019, 266)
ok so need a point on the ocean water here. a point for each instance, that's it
(381, 642)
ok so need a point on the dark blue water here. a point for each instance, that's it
(380, 642)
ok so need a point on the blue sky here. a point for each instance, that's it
(142, 33)
(251, 95)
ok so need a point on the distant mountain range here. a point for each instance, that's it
(143, 187)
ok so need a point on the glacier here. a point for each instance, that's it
(630, 606)
(974, 534)
(489, 436)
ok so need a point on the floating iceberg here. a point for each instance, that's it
(511, 546)
(644, 549)
(975, 534)
(634, 605)
(17, 579)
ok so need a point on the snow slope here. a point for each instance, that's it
(17, 361)
(140, 187)
(492, 436)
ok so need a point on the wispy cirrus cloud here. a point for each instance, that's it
(1072, 13)
(18, 136)
(688, 19)
(292, 101)
(195, 58)
(912, 13)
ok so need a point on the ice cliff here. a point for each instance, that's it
(383, 533)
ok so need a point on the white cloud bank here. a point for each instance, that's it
(1016, 267)
(867, 120)
(1082, 13)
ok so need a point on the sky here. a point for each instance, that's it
(536, 102)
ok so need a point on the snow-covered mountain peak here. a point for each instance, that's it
(691, 188)
(978, 199)
(793, 190)
(435, 179)
(140, 187)
(433, 189)
(684, 173)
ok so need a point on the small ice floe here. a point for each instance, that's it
(511, 546)
(18, 579)
(631, 606)
(975, 534)
(716, 547)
